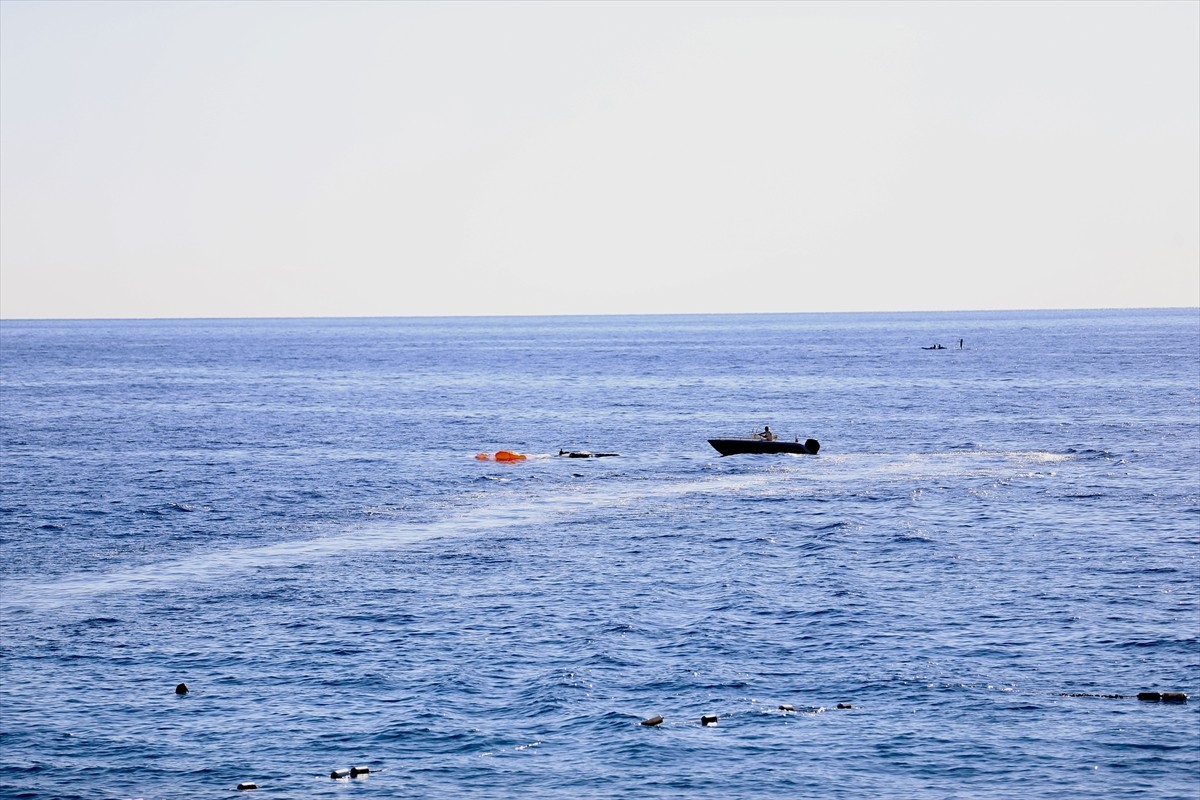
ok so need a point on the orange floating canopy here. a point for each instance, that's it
(509, 455)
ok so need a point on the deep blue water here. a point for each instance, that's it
(287, 515)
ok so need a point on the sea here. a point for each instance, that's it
(962, 595)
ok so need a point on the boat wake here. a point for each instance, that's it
(517, 507)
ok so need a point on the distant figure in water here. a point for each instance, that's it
(960, 344)
(766, 435)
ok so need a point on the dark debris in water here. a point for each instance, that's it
(1149, 697)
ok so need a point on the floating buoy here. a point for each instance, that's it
(786, 707)
(356, 771)
(181, 689)
(501, 455)
(1150, 697)
(812, 446)
(339, 773)
(242, 787)
(844, 705)
(653, 720)
(708, 719)
(1174, 697)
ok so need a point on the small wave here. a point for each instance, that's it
(1089, 453)
(1144, 644)
(384, 511)
(912, 538)
(1159, 746)
(1042, 457)
(166, 508)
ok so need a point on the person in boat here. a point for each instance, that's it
(766, 435)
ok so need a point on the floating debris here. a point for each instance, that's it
(844, 705)
(708, 719)
(1163, 697)
(242, 787)
(357, 771)
(338, 774)
(653, 720)
(786, 707)
(502, 455)
(181, 689)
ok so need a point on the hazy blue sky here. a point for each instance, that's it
(162, 159)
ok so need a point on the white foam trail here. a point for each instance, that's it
(523, 512)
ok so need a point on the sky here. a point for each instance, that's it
(283, 159)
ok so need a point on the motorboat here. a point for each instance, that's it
(758, 444)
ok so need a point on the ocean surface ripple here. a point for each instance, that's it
(996, 550)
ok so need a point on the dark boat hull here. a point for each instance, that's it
(732, 447)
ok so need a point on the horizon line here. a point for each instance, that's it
(268, 317)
